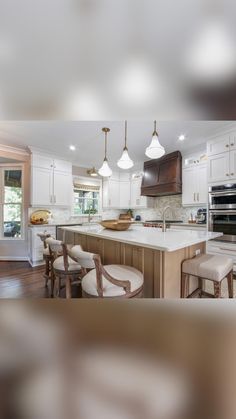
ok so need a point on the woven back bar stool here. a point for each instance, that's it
(48, 274)
(207, 267)
(65, 269)
(110, 281)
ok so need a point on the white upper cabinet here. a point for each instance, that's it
(218, 167)
(125, 194)
(41, 186)
(137, 200)
(124, 191)
(202, 192)
(218, 145)
(194, 185)
(51, 181)
(110, 193)
(222, 158)
(189, 186)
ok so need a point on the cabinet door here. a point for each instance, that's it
(137, 201)
(218, 167)
(62, 166)
(63, 189)
(124, 194)
(42, 160)
(189, 186)
(114, 194)
(233, 164)
(105, 193)
(41, 186)
(201, 179)
(218, 145)
(232, 141)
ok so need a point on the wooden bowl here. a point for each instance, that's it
(124, 217)
(119, 225)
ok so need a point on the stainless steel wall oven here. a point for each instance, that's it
(222, 211)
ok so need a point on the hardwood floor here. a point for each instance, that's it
(20, 280)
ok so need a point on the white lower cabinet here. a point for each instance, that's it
(194, 185)
(35, 244)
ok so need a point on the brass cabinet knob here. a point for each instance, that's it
(231, 174)
(227, 174)
(226, 145)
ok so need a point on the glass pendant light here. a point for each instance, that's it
(105, 170)
(125, 161)
(155, 150)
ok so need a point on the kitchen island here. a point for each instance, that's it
(158, 255)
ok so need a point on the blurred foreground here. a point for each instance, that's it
(117, 360)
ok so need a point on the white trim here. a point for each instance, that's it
(14, 258)
(15, 150)
(47, 153)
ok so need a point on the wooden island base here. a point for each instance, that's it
(162, 270)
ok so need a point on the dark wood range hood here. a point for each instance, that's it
(163, 176)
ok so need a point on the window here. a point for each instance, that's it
(86, 199)
(11, 202)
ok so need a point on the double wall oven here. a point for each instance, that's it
(222, 211)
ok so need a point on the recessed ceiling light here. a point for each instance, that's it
(181, 137)
(72, 147)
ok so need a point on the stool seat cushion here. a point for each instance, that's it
(120, 272)
(58, 264)
(214, 268)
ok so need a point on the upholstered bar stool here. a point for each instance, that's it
(48, 259)
(207, 267)
(64, 267)
(112, 281)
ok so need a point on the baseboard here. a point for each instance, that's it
(14, 258)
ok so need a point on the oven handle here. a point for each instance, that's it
(228, 193)
(230, 212)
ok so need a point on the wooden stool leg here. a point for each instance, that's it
(47, 272)
(200, 284)
(230, 281)
(52, 281)
(68, 287)
(217, 289)
(184, 278)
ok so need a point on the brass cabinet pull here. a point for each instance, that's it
(231, 174)
(226, 145)
(227, 174)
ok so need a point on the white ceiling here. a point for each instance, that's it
(56, 137)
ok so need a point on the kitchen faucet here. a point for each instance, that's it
(164, 218)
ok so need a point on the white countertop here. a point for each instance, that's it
(152, 238)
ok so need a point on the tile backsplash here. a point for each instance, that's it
(177, 212)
